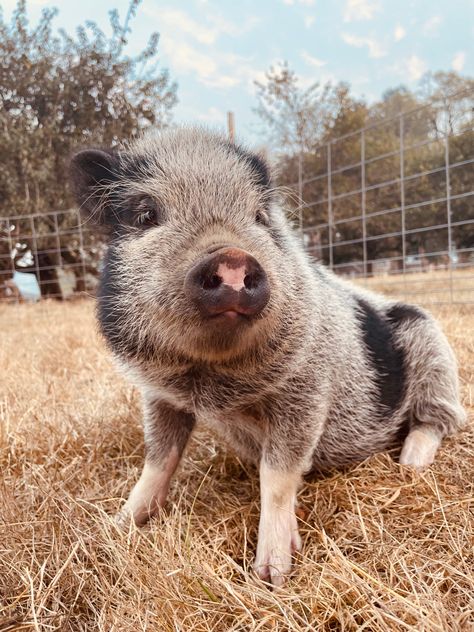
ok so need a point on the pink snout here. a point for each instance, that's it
(228, 282)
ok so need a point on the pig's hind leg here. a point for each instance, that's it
(166, 433)
(420, 447)
(434, 406)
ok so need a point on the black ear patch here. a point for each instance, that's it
(257, 165)
(91, 171)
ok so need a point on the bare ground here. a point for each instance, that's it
(384, 548)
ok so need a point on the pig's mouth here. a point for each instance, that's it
(231, 314)
(230, 317)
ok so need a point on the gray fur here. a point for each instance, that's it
(297, 390)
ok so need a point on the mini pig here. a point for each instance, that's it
(215, 312)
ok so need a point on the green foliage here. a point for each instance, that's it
(298, 117)
(315, 129)
(59, 92)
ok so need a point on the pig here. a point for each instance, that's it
(213, 309)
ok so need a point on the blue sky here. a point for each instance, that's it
(215, 50)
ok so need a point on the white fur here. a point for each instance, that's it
(420, 448)
(150, 491)
(278, 535)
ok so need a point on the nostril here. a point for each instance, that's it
(212, 282)
(253, 280)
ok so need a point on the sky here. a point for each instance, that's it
(215, 50)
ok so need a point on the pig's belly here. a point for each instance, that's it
(340, 443)
(242, 434)
(343, 445)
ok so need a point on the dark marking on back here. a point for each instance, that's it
(402, 313)
(387, 359)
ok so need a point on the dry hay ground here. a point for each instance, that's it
(383, 547)
(429, 287)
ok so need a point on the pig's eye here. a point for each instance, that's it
(147, 213)
(261, 218)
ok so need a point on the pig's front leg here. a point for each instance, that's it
(294, 428)
(166, 433)
(278, 536)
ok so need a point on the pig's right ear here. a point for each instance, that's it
(93, 173)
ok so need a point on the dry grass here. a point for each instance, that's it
(430, 288)
(383, 547)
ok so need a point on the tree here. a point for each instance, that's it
(300, 121)
(58, 92)
(315, 129)
(451, 114)
(296, 117)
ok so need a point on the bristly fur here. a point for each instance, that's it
(328, 374)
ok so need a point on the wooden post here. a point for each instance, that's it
(231, 126)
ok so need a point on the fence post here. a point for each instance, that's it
(59, 258)
(362, 177)
(35, 249)
(330, 218)
(231, 126)
(448, 212)
(81, 249)
(401, 132)
(10, 244)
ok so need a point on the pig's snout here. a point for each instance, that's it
(228, 282)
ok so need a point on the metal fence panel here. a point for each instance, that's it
(394, 215)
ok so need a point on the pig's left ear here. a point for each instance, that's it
(93, 173)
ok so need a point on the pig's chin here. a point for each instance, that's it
(226, 334)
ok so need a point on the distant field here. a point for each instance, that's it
(432, 287)
(384, 549)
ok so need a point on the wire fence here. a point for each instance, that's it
(48, 255)
(390, 205)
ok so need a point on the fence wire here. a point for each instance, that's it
(390, 205)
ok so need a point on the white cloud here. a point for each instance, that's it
(225, 27)
(376, 50)
(175, 19)
(206, 31)
(399, 33)
(431, 26)
(415, 67)
(186, 58)
(212, 68)
(312, 61)
(458, 61)
(212, 115)
(360, 10)
(217, 80)
(191, 47)
(309, 21)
